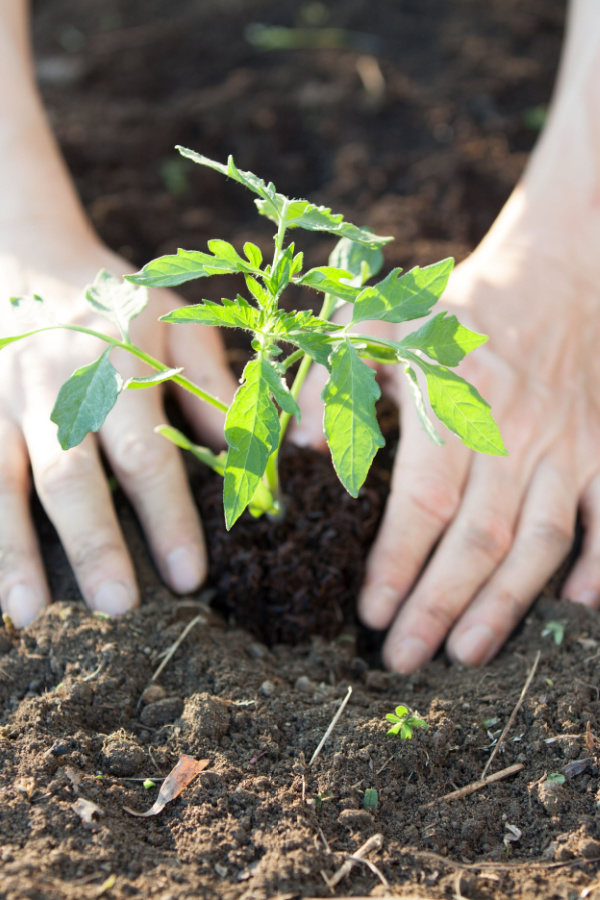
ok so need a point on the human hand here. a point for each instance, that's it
(467, 541)
(71, 485)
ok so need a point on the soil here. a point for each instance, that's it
(420, 131)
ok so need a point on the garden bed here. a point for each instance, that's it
(422, 137)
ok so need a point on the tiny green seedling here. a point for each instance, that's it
(555, 778)
(148, 784)
(257, 418)
(403, 722)
(556, 630)
(370, 799)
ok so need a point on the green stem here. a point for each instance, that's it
(292, 358)
(145, 357)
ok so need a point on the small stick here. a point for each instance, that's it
(476, 785)
(174, 647)
(513, 714)
(374, 843)
(332, 725)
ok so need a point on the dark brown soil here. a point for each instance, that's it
(430, 159)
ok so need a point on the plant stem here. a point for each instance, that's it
(181, 380)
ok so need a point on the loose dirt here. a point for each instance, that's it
(420, 133)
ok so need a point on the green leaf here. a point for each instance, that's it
(417, 396)
(260, 294)
(462, 409)
(317, 346)
(280, 390)
(556, 778)
(370, 799)
(363, 262)
(116, 300)
(400, 299)
(252, 433)
(253, 254)
(229, 313)
(185, 265)
(279, 278)
(402, 711)
(147, 381)
(406, 732)
(302, 214)
(351, 426)
(85, 400)
(444, 339)
(330, 280)
(214, 461)
(248, 179)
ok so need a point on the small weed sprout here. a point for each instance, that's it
(555, 778)
(370, 799)
(556, 630)
(257, 418)
(403, 722)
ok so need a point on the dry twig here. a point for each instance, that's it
(374, 843)
(173, 648)
(332, 725)
(513, 714)
(476, 785)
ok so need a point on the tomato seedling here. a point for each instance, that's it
(263, 405)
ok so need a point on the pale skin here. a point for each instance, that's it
(467, 541)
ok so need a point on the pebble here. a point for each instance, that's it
(161, 712)
(267, 689)
(305, 685)
(257, 651)
(153, 693)
(552, 796)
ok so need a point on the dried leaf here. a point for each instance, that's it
(88, 812)
(176, 781)
(513, 833)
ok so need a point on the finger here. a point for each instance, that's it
(73, 490)
(475, 543)
(23, 590)
(543, 539)
(583, 584)
(309, 431)
(200, 351)
(150, 470)
(426, 492)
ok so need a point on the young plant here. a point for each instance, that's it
(258, 416)
(403, 723)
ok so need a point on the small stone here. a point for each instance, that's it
(355, 818)
(162, 712)
(153, 693)
(267, 689)
(206, 717)
(257, 651)
(305, 685)
(60, 748)
(221, 871)
(589, 848)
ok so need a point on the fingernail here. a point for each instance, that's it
(114, 598)
(300, 438)
(409, 655)
(185, 569)
(23, 605)
(377, 605)
(474, 646)
(588, 597)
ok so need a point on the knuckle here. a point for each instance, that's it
(143, 457)
(435, 497)
(90, 550)
(555, 535)
(490, 535)
(511, 604)
(439, 611)
(65, 472)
